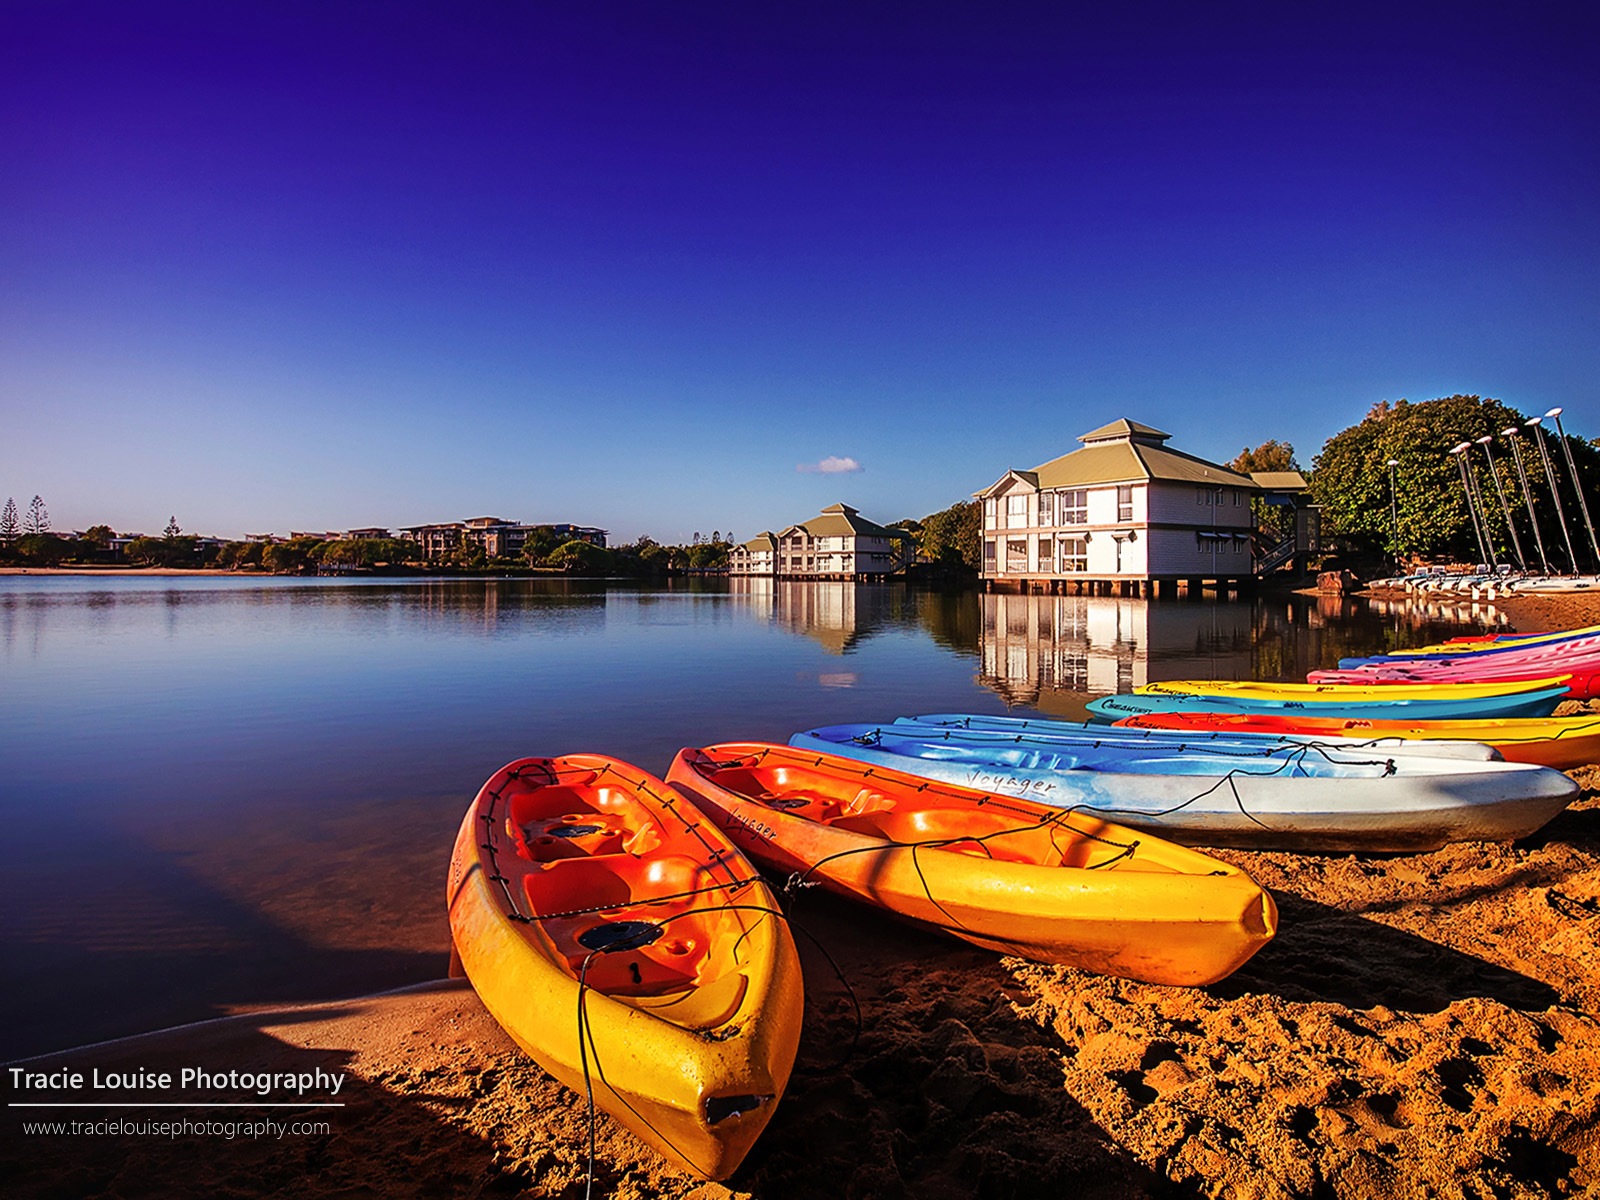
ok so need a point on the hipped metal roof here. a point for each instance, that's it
(840, 520)
(1123, 452)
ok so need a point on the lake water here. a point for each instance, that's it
(222, 793)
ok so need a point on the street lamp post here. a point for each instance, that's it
(1505, 509)
(1460, 453)
(1394, 516)
(1527, 492)
(1555, 496)
(1572, 469)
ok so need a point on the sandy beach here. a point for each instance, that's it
(1423, 1025)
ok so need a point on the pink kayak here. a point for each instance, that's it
(1583, 671)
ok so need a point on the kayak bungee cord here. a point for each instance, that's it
(873, 739)
(633, 939)
(933, 787)
(1293, 760)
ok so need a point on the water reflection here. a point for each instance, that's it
(1054, 653)
(261, 779)
(837, 615)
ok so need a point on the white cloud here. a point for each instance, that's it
(832, 465)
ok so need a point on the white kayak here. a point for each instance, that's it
(1310, 798)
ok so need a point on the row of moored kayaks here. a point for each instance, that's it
(624, 930)
(1486, 583)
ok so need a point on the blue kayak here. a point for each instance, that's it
(1539, 703)
(1288, 797)
(1183, 741)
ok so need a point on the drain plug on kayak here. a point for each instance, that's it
(619, 935)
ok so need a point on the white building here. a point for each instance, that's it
(1125, 511)
(758, 556)
(839, 543)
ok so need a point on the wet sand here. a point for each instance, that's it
(1423, 1025)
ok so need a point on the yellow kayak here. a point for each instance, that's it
(1002, 872)
(585, 894)
(1346, 691)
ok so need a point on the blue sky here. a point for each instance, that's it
(310, 265)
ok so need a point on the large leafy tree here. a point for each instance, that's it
(580, 558)
(1351, 479)
(1271, 455)
(954, 536)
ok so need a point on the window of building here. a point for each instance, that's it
(1125, 503)
(1016, 554)
(1201, 495)
(1074, 554)
(1047, 555)
(1075, 507)
(988, 554)
(1016, 511)
(990, 513)
(1047, 508)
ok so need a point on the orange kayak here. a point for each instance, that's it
(586, 895)
(1559, 742)
(1001, 872)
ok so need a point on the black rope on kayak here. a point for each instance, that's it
(973, 796)
(586, 1044)
(642, 901)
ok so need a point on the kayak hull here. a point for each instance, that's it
(1006, 874)
(579, 895)
(1393, 803)
(1559, 742)
(1580, 672)
(1540, 703)
(1344, 690)
(1150, 738)
(1492, 648)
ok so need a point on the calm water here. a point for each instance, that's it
(222, 793)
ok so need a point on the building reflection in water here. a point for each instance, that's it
(838, 615)
(1054, 653)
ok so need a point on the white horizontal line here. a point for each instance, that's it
(197, 1104)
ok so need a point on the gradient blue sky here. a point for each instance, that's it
(322, 265)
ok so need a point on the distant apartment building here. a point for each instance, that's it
(1124, 511)
(758, 556)
(498, 538)
(838, 543)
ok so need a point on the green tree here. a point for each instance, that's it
(10, 523)
(709, 556)
(541, 544)
(146, 550)
(580, 558)
(953, 537)
(38, 518)
(290, 557)
(99, 535)
(1271, 455)
(1350, 478)
(42, 549)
